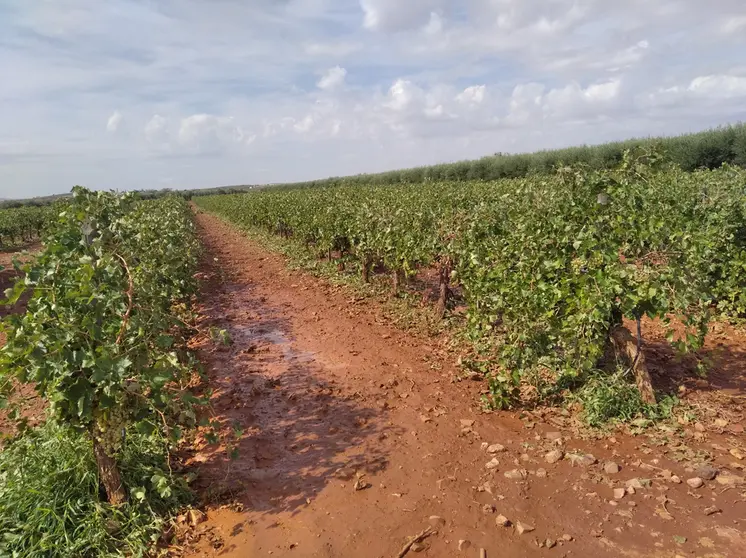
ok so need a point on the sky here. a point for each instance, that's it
(139, 94)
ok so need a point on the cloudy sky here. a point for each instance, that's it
(129, 94)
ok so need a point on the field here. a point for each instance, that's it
(547, 364)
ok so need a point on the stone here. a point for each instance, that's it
(554, 456)
(695, 482)
(196, 517)
(721, 423)
(541, 473)
(467, 423)
(502, 521)
(523, 528)
(516, 474)
(738, 454)
(706, 472)
(488, 508)
(437, 521)
(492, 464)
(584, 460)
(675, 479)
(727, 479)
(550, 543)
(553, 436)
(631, 490)
(611, 468)
(634, 483)
(417, 547)
(619, 493)
(712, 510)
(566, 537)
(495, 448)
(464, 545)
(699, 427)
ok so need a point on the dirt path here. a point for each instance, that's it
(327, 396)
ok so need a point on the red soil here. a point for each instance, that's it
(327, 396)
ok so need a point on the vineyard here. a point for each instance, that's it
(549, 268)
(103, 343)
(22, 224)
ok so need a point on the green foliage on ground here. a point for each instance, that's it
(51, 503)
(547, 265)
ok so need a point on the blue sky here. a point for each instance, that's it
(129, 94)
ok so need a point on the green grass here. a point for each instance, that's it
(613, 397)
(51, 504)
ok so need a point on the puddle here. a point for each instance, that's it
(274, 337)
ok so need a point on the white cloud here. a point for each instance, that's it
(112, 125)
(332, 79)
(156, 130)
(433, 80)
(719, 87)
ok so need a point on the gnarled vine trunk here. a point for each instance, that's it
(109, 474)
(444, 290)
(397, 279)
(630, 349)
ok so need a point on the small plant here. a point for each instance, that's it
(615, 398)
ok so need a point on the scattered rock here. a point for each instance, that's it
(699, 427)
(541, 473)
(553, 436)
(502, 521)
(550, 543)
(488, 508)
(467, 423)
(637, 484)
(736, 428)
(721, 423)
(196, 517)
(523, 528)
(516, 474)
(554, 456)
(495, 448)
(585, 460)
(726, 479)
(493, 464)
(417, 547)
(738, 454)
(360, 484)
(597, 533)
(712, 510)
(464, 545)
(631, 490)
(675, 479)
(437, 521)
(425, 418)
(566, 537)
(619, 493)
(611, 468)
(483, 446)
(695, 482)
(707, 472)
